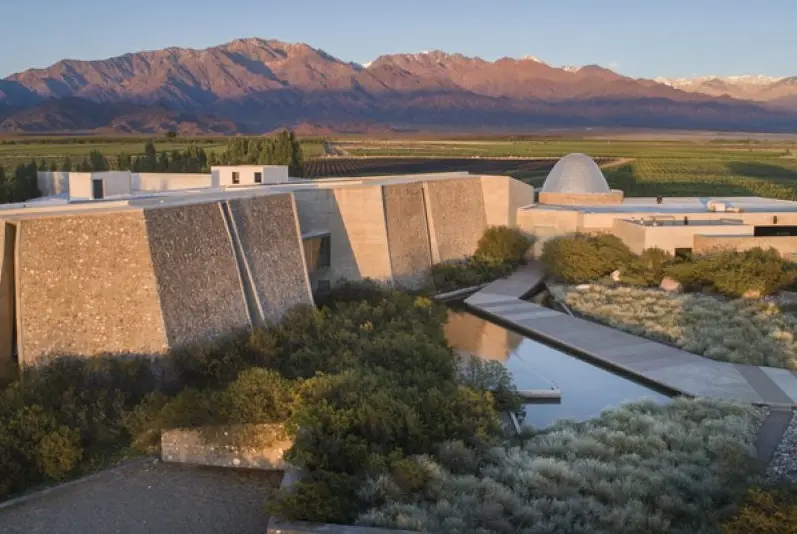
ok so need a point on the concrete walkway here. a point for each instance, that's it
(668, 367)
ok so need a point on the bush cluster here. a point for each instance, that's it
(641, 468)
(585, 258)
(590, 258)
(766, 511)
(364, 381)
(66, 417)
(731, 273)
(747, 331)
(499, 251)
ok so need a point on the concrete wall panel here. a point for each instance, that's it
(271, 245)
(197, 277)
(363, 216)
(503, 196)
(457, 216)
(407, 233)
(85, 286)
(159, 181)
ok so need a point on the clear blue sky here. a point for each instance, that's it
(642, 38)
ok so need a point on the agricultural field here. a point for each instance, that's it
(700, 164)
(339, 167)
(699, 167)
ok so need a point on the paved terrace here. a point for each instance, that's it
(663, 365)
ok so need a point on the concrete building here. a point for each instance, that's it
(122, 262)
(119, 262)
(576, 198)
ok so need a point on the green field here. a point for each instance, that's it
(643, 168)
(690, 166)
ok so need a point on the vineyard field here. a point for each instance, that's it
(359, 167)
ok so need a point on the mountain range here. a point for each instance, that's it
(257, 85)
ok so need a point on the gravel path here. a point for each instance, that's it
(784, 462)
(149, 498)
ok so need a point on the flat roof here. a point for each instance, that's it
(56, 206)
(677, 205)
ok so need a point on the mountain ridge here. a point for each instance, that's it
(256, 85)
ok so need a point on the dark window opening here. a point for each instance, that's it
(97, 189)
(770, 231)
(258, 177)
(683, 253)
(236, 178)
(324, 253)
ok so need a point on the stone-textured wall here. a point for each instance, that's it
(86, 286)
(591, 199)
(7, 295)
(271, 244)
(407, 233)
(197, 277)
(254, 446)
(785, 245)
(457, 219)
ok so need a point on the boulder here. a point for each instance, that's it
(752, 294)
(616, 276)
(583, 287)
(670, 284)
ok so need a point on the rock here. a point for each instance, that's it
(670, 284)
(616, 276)
(583, 287)
(752, 294)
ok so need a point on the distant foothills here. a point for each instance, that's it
(256, 85)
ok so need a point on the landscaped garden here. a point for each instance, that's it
(391, 429)
(718, 314)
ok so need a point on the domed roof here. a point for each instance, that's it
(576, 174)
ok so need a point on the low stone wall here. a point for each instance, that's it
(575, 199)
(244, 446)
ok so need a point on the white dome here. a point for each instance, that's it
(576, 174)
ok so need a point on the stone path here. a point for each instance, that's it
(146, 498)
(667, 367)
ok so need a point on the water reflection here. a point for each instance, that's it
(587, 390)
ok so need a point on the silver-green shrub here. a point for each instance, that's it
(641, 468)
(749, 331)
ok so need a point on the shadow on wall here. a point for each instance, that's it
(319, 213)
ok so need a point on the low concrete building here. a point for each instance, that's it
(158, 261)
(576, 198)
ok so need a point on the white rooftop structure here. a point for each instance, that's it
(576, 174)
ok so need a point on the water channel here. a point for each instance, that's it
(586, 390)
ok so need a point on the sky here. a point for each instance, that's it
(642, 38)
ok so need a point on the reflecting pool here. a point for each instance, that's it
(586, 389)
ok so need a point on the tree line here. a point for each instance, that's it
(282, 149)
(19, 185)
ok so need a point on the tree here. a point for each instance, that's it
(67, 164)
(97, 161)
(123, 161)
(171, 134)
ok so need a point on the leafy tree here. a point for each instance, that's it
(97, 161)
(67, 164)
(124, 162)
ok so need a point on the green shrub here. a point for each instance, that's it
(585, 258)
(501, 244)
(764, 511)
(451, 276)
(641, 468)
(734, 273)
(647, 269)
(209, 364)
(739, 331)
(348, 291)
